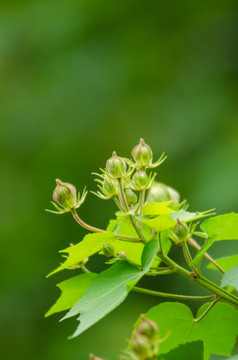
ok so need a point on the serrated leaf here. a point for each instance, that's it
(221, 227)
(230, 278)
(109, 289)
(91, 244)
(154, 208)
(72, 290)
(226, 263)
(159, 223)
(218, 329)
(189, 351)
(187, 216)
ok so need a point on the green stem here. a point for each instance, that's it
(207, 284)
(171, 296)
(188, 257)
(162, 272)
(208, 309)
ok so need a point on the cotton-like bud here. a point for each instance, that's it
(65, 194)
(116, 166)
(111, 187)
(131, 197)
(141, 346)
(142, 154)
(140, 179)
(108, 250)
(148, 328)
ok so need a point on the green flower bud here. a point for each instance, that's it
(142, 154)
(160, 192)
(148, 328)
(65, 194)
(122, 255)
(140, 179)
(141, 346)
(181, 231)
(108, 250)
(111, 187)
(116, 166)
(131, 197)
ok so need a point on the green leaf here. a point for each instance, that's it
(154, 208)
(189, 351)
(109, 289)
(159, 223)
(218, 329)
(235, 357)
(226, 263)
(187, 216)
(221, 227)
(230, 278)
(91, 244)
(72, 291)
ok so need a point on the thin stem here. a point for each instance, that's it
(162, 272)
(188, 257)
(85, 270)
(207, 310)
(172, 296)
(118, 203)
(139, 202)
(206, 255)
(123, 197)
(94, 229)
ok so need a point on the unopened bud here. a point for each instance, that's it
(131, 197)
(108, 250)
(111, 187)
(116, 166)
(122, 255)
(142, 154)
(148, 327)
(65, 194)
(141, 346)
(160, 192)
(181, 231)
(140, 179)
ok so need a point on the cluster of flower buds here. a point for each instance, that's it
(144, 344)
(180, 232)
(65, 197)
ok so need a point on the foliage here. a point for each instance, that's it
(136, 244)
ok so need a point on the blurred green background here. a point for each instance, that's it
(80, 79)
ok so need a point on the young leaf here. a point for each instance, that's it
(187, 216)
(159, 223)
(154, 208)
(235, 357)
(218, 338)
(189, 351)
(72, 290)
(91, 244)
(226, 263)
(109, 289)
(222, 227)
(230, 278)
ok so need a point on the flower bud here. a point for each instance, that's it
(140, 179)
(142, 154)
(148, 328)
(108, 250)
(110, 187)
(181, 231)
(65, 194)
(160, 192)
(131, 197)
(141, 346)
(116, 166)
(122, 255)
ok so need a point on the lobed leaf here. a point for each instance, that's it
(109, 289)
(187, 216)
(159, 223)
(212, 330)
(230, 278)
(72, 290)
(91, 244)
(154, 208)
(221, 227)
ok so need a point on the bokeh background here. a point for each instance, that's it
(80, 79)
